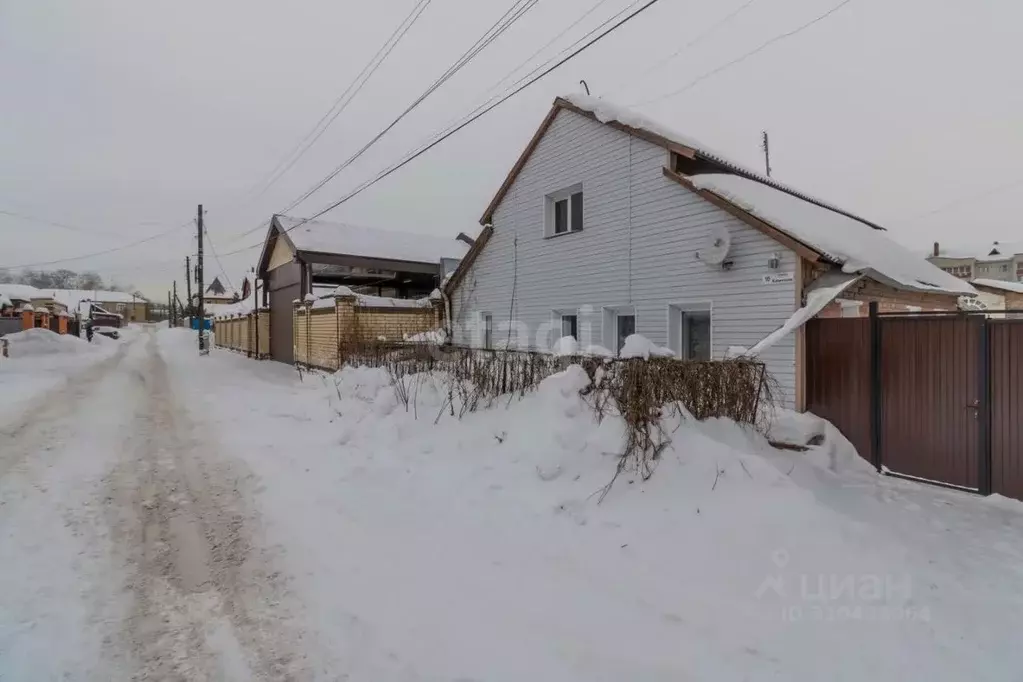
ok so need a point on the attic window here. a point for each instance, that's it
(563, 211)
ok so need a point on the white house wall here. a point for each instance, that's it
(637, 248)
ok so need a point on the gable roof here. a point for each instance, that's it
(318, 236)
(1000, 285)
(21, 292)
(216, 287)
(989, 252)
(813, 228)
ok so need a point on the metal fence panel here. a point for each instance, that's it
(1006, 380)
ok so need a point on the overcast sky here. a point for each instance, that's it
(119, 116)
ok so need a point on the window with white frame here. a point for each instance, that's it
(689, 330)
(619, 324)
(563, 211)
(487, 329)
(570, 325)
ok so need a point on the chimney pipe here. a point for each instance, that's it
(937, 251)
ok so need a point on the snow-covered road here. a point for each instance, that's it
(170, 517)
(131, 550)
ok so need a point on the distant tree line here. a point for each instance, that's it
(61, 279)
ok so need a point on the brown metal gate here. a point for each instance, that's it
(1006, 380)
(930, 398)
(927, 395)
(838, 376)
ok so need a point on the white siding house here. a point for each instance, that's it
(639, 253)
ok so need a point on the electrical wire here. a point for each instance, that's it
(346, 97)
(510, 73)
(963, 200)
(98, 253)
(206, 231)
(685, 48)
(480, 112)
(763, 46)
(517, 10)
(550, 42)
(54, 223)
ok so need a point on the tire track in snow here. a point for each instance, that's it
(208, 603)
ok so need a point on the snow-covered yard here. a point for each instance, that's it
(319, 530)
(475, 549)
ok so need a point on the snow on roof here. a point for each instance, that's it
(989, 252)
(606, 111)
(382, 301)
(353, 240)
(1014, 287)
(72, 298)
(21, 292)
(845, 240)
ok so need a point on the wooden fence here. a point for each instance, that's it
(323, 329)
(240, 333)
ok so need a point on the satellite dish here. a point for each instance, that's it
(716, 246)
(970, 303)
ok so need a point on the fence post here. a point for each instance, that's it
(876, 456)
(984, 408)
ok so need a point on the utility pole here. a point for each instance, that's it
(199, 283)
(174, 298)
(170, 320)
(188, 283)
(765, 145)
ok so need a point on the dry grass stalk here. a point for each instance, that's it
(641, 392)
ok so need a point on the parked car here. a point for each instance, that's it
(110, 332)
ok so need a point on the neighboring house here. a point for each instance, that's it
(20, 294)
(315, 257)
(217, 294)
(131, 307)
(610, 223)
(996, 294)
(1000, 261)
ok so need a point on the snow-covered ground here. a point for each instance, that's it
(41, 361)
(221, 518)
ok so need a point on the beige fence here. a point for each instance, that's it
(239, 333)
(323, 331)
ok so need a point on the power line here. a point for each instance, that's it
(964, 200)
(346, 97)
(206, 231)
(99, 253)
(480, 112)
(778, 38)
(575, 23)
(550, 42)
(685, 48)
(54, 223)
(510, 17)
(446, 135)
(498, 27)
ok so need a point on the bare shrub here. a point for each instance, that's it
(641, 392)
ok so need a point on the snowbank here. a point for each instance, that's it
(566, 345)
(638, 346)
(434, 336)
(35, 342)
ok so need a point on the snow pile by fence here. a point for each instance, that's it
(39, 341)
(643, 392)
